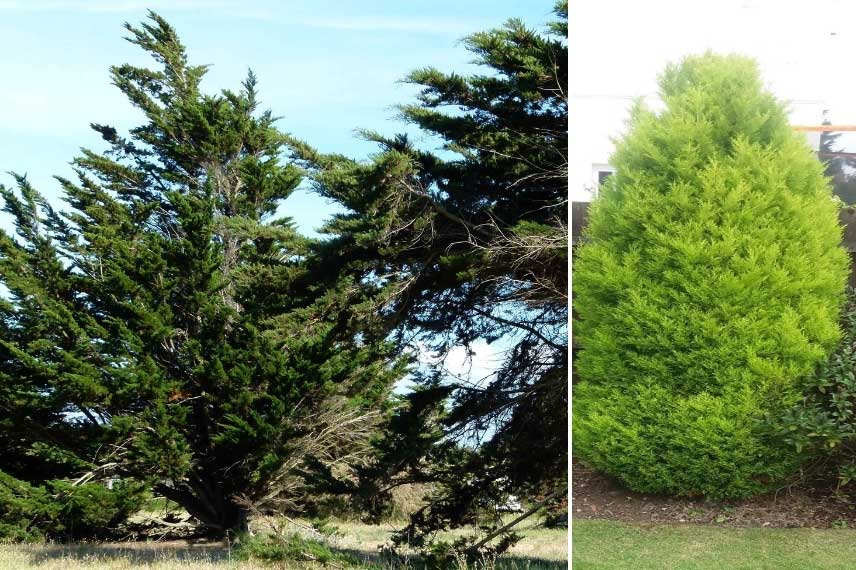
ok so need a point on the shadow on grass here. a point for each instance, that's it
(530, 563)
(508, 562)
(201, 551)
(137, 553)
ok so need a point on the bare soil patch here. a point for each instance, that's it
(596, 496)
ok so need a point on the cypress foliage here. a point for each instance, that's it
(168, 327)
(838, 168)
(60, 510)
(471, 243)
(708, 289)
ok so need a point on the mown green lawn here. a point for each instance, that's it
(607, 545)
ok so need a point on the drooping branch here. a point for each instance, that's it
(514, 522)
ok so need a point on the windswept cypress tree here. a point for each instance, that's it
(471, 243)
(168, 325)
(710, 285)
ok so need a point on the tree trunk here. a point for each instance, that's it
(243, 526)
(219, 517)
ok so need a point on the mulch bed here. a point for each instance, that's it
(596, 496)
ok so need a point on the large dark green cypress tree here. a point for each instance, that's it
(167, 326)
(472, 243)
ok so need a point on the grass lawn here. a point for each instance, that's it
(541, 549)
(607, 545)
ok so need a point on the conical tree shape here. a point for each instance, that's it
(709, 286)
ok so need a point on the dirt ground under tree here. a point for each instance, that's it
(596, 496)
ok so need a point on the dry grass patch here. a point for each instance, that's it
(541, 549)
(538, 542)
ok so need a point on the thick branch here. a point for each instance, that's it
(515, 522)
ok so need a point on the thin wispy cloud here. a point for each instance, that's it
(234, 8)
(316, 70)
(382, 24)
(108, 6)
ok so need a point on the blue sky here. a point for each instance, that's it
(326, 67)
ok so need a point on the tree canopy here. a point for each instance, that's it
(470, 243)
(169, 326)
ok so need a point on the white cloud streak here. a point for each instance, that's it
(383, 24)
(233, 8)
(108, 6)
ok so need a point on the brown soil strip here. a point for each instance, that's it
(596, 496)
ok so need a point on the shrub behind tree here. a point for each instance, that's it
(821, 427)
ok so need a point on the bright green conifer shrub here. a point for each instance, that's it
(709, 286)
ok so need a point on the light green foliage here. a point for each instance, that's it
(710, 284)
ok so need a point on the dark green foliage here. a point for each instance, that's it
(168, 327)
(708, 289)
(62, 511)
(92, 510)
(291, 548)
(470, 243)
(411, 438)
(841, 169)
(458, 553)
(25, 510)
